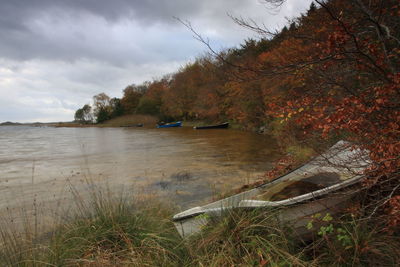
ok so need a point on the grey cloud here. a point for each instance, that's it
(56, 54)
(72, 29)
(59, 88)
(148, 11)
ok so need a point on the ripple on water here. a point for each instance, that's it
(185, 164)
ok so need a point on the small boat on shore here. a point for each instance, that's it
(326, 184)
(169, 125)
(217, 126)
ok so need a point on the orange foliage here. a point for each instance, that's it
(334, 73)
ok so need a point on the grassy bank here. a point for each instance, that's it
(148, 121)
(125, 120)
(109, 230)
(130, 120)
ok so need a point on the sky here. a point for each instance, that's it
(55, 55)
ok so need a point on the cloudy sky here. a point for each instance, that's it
(56, 54)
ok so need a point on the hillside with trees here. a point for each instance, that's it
(333, 73)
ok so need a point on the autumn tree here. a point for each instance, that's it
(152, 100)
(102, 108)
(131, 97)
(116, 108)
(79, 115)
(181, 97)
(344, 82)
(84, 114)
(333, 74)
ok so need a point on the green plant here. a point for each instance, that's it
(343, 237)
(355, 242)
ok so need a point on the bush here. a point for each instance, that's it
(102, 115)
(147, 106)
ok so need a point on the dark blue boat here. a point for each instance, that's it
(217, 126)
(169, 125)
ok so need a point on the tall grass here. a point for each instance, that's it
(103, 230)
(247, 238)
(109, 229)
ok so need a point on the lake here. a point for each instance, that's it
(185, 166)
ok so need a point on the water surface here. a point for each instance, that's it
(185, 166)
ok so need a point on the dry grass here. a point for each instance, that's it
(116, 230)
(104, 229)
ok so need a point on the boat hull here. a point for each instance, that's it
(218, 126)
(169, 125)
(297, 215)
(296, 210)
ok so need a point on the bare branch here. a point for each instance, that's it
(384, 202)
(273, 3)
(252, 25)
(213, 52)
(352, 36)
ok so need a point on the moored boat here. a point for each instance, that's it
(217, 126)
(169, 125)
(335, 176)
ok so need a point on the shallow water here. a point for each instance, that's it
(185, 166)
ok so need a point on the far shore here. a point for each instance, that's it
(122, 121)
(146, 121)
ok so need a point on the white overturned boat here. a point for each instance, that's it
(325, 184)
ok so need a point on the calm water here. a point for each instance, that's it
(184, 165)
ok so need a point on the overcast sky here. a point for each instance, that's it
(56, 54)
